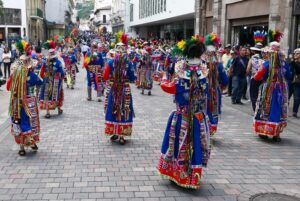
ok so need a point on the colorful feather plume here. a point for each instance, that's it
(259, 36)
(58, 38)
(112, 45)
(212, 39)
(22, 46)
(49, 44)
(88, 57)
(183, 46)
(275, 35)
(120, 37)
(132, 43)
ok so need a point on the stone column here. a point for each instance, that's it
(200, 14)
(217, 16)
(281, 18)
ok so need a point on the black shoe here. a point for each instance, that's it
(239, 103)
(34, 147)
(122, 141)
(245, 98)
(114, 138)
(295, 115)
(276, 139)
(233, 102)
(22, 152)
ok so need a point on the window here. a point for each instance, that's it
(104, 18)
(11, 16)
(131, 12)
(140, 3)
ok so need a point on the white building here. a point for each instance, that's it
(102, 13)
(13, 23)
(170, 19)
(118, 15)
(59, 16)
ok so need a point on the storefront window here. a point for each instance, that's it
(244, 34)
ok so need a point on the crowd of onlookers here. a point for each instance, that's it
(242, 63)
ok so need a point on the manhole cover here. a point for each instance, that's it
(273, 197)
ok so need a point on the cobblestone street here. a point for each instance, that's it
(76, 161)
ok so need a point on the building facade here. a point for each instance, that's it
(36, 20)
(59, 17)
(118, 15)
(102, 13)
(236, 20)
(13, 21)
(167, 19)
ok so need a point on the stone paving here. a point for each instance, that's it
(77, 162)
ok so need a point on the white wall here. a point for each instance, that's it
(99, 17)
(174, 8)
(19, 4)
(55, 10)
(102, 3)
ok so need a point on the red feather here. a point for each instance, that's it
(52, 44)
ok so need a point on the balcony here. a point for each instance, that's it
(36, 13)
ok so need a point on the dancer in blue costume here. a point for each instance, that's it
(186, 143)
(94, 64)
(23, 108)
(217, 79)
(70, 67)
(51, 94)
(119, 110)
(270, 116)
(145, 72)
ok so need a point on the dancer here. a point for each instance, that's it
(23, 108)
(217, 80)
(94, 64)
(272, 104)
(51, 94)
(119, 110)
(145, 79)
(186, 143)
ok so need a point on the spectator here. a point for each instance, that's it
(238, 70)
(295, 67)
(84, 48)
(253, 65)
(6, 58)
(13, 51)
(1, 53)
(227, 68)
(227, 55)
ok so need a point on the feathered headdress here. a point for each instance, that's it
(183, 46)
(259, 36)
(275, 35)
(23, 47)
(49, 44)
(112, 45)
(212, 39)
(58, 38)
(132, 43)
(120, 37)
